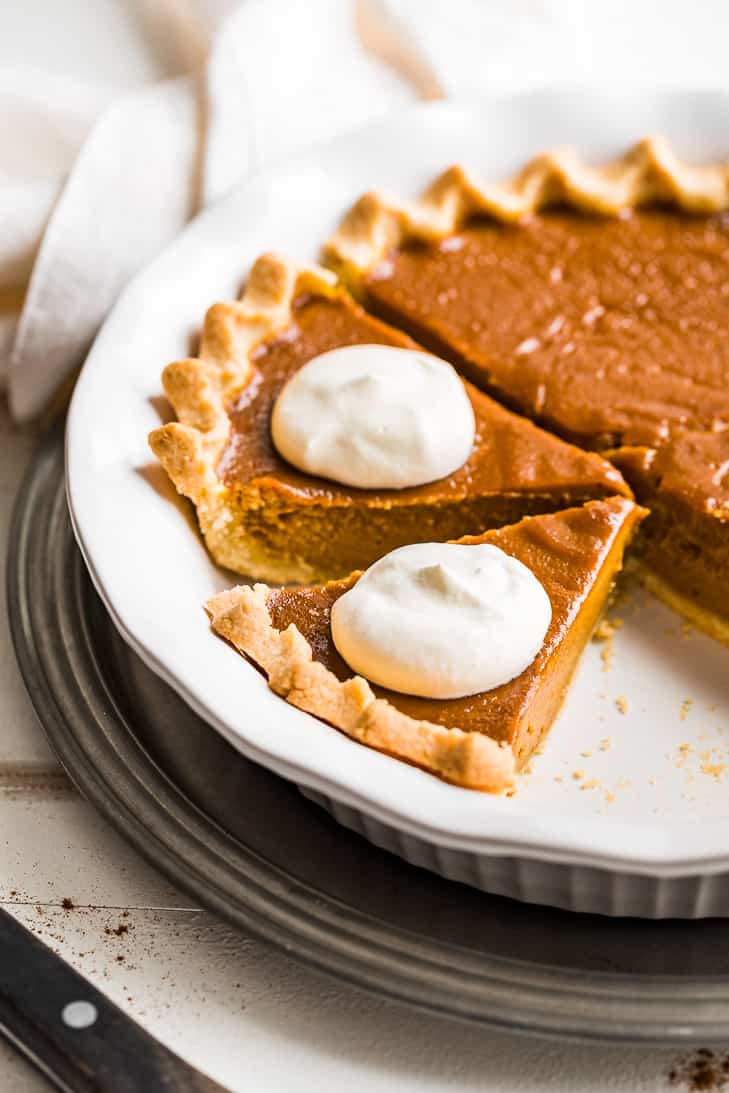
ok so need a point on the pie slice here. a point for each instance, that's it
(478, 742)
(594, 301)
(262, 517)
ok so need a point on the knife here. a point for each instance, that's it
(71, 1032)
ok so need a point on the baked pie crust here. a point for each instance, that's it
(648, 174)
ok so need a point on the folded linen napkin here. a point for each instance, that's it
(91, 190)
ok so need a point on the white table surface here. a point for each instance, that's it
(237, 1009)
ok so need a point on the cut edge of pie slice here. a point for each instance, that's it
(261, 517)
(479, 742)
(649, 173)
(682, 553)
(683, 603)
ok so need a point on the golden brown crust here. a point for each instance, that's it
(649, 172)
(201, 388)
(466, 759)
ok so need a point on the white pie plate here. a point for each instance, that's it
(644, 830)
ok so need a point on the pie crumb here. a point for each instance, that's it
(585, 754)
(604, 630)
(684, 750)
(621, 704)
(605, 633)
(578, 774)
(685, 707)
(714, 769)
(606, 743)
(592, 783)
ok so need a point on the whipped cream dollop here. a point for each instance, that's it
(442, 620)
(375, 417)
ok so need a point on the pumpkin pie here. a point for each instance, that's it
(262, 517)
(480, 741)
(594, 300)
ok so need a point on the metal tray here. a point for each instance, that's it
(251, 848)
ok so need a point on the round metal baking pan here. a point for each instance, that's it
(250, 847)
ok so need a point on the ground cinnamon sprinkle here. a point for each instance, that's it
(117, 931)
(703, 1071)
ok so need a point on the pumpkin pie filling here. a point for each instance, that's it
(575, 554)
(309, 525)
(611, 332)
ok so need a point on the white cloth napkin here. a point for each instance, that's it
(91, 190)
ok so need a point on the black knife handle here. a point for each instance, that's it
(73, 1033)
